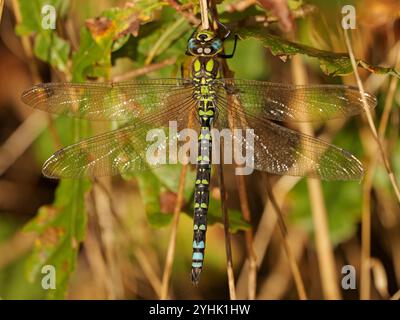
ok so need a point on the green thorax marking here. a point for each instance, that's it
(203, 71)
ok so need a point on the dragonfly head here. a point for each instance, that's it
(204, 43)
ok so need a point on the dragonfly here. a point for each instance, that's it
(202, 100)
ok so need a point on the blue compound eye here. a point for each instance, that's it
(192, 44)
(217, 44)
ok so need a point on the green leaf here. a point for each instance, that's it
(162, 38)
(52, 49)
(343, 200)
(60, 228)
(47, 45)
(12, 285)
(331, 63)
(90, 59)
(31, 14)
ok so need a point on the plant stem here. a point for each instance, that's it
(283, 232)
(205, 24)
(228, 249)
(172, 240)
(252, 258)
(325, 254)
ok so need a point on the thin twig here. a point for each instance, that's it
(228, 249)
(172, 241)
(144, 70)
(105, 220)
(95, 257)
(231, 279)
(205, 23)
(283, 232)
(264, 231)
(279, 279)
(188, 15)
(396, 296)
(1, 9)
(15, 247)
(142, 259)
(175, 222)
(148, 270)
(326, 259)
(371, 124)
(365, 282)
(252, 258)
(20, 140)
(365, 286)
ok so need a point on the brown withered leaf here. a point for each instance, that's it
(98, 26)
(167, 201)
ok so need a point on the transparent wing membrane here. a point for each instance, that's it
(109, 101)
(274, 101)
(240, 104)
(127, 150)
(282, 151)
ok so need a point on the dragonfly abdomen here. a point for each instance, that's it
(206, 110)
(204, 71)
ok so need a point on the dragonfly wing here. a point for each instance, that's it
(127, 150)
(281, 102)
(275, 149)
(122, 101)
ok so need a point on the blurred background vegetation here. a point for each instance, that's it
(108, 238)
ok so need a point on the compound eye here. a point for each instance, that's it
(217, 44)
(192, 44)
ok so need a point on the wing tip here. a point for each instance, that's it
(51, 168)
(48, 169)
(38, 90)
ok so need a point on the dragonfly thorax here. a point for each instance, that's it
(205, 69)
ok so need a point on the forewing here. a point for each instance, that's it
(280, 102)
(122, 101)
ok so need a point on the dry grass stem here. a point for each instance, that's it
(326, 259)
(172, 241)
(264, 231)
(371, 124)
(144, 70)
(1, 9)
(366, 214)
(20, 140)
(251, 256)
(228, 249)
(291, 257)
(205, 23)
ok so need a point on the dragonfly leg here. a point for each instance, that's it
(228, 56)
